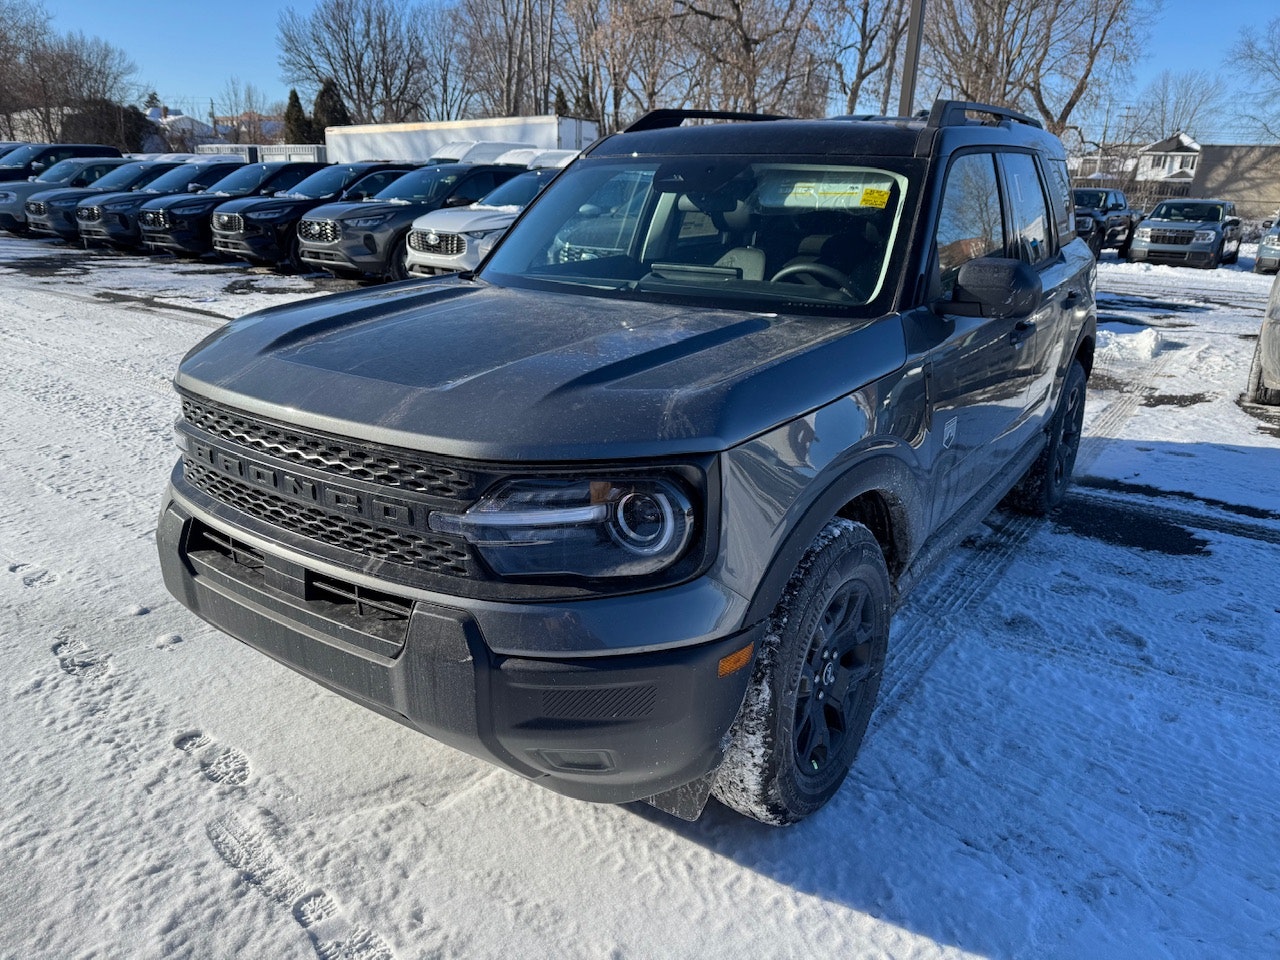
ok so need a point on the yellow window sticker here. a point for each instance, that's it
(872, 197)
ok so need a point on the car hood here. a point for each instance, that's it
(165, 201)
(368, 208)
(292, 205)
(25, 189)
(462, 219)
(1182, 224)
(470, 370)
(65, 194)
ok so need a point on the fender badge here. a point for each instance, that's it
(948, 433)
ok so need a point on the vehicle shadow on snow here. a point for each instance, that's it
(1059, 782)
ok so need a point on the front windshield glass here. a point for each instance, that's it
(22, 156)
(176, 180)
(1089, 198)
(746, 232)
(420, 186)
(518, 191)
(1192, 211)
(244, 180)
(61, 172)
(321, 184)
(123, 177)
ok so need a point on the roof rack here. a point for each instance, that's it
(953, 113)
(664, 119)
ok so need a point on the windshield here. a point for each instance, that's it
(323, 183)
(244, 180)
(1090, 198)
(1192, 212)
(176, 180)
(518, 191)
(22, 156)
(757, 233)
(124, 177)
(420, 186)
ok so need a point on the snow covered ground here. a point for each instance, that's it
(1075, 753)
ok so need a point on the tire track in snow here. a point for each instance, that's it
(925, 625)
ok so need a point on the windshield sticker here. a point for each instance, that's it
(836, 190)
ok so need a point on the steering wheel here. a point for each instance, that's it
(820, 271)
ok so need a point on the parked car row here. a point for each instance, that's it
(352, 219)
(1182, 232)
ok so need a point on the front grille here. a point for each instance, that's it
(154, 219)
(89, 214)
(434, 555)
(320, 231)
(1173, 237)
(441, 244)
(35, 208)
(228, 222)
(332, 455)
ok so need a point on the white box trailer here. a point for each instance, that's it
(422, 141)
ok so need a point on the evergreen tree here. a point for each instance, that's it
(562, 102)
(329, 110)
(152, 101)
(297, 125)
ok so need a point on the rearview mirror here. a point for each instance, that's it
(995, 287)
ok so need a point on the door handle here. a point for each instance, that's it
(1071, 299)
(1022, 331)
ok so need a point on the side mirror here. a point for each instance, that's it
(37, 166)
(459, 201)
(196, 188)
(998, 288)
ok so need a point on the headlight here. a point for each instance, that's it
(483, 234)
(7, 196)
(1206, 236)
(117, 206)
(364, 223)
(187, 211)
(263, 215)
(1142, 233)
(608, 527)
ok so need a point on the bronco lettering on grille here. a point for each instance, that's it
(375, 508)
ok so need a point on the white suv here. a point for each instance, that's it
(451, 241)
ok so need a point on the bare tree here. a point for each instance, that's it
(513, 44)
(372, 49)
(1259, 58)
(246, 112)
(1174, 102)
(1047, 57)
(866, 37)
(759, 55)
(450, 92)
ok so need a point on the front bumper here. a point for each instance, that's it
(1183, 255)
(13, 221)
(261, 247)
(55, 223)
(114, 228)
(367, 252)
(606, 727)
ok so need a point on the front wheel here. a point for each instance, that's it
(1044, 486)
(815, 681)
(396, 268)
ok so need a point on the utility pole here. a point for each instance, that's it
(910, 66)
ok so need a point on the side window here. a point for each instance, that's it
(1030, 226)
(287, 179)
(475, 186)
(969, 224)
(211, 176)
(1061, 200)
(376, 181)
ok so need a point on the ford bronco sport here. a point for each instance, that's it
(627, 510)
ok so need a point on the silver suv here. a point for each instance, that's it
(1188, 233)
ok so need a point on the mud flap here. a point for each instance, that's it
(687, 801)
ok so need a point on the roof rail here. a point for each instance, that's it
(663, 119)
(952, 113)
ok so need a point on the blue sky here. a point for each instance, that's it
(190, 50)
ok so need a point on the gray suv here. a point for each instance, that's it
(1188, 233)
(370, 237)
(627, 511)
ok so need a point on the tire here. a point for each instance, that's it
(1095, 244)
(815, 681)
(1122, 251)
(1235, 256)
(396, 269)
(1044, 486)
(1216, 261)
(292, 262)
(1256, 392)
